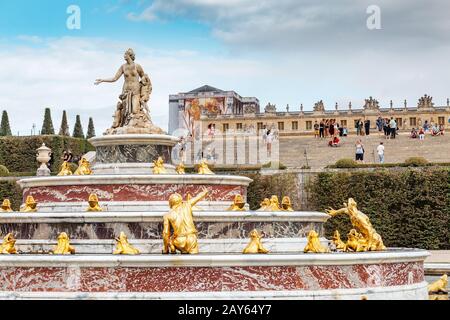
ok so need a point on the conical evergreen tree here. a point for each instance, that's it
(91, 129)
(64, 129)
(5, 129)
(78, 129)
(47, 126)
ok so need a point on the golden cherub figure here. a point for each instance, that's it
(30, 205)
(203, 168)
(255, 245)
(63, 246)
(158, 167)
(84, 168)
(94, 206)
(7, 246)
(314, 244)
(65, 169)
(338, 243)
(264, 204)
(180, 219)
(371, 239)
(123, 246)
(439, 286)
(274, 204)
(355, 242)
(286, 204)
(180, 168)
(6, 206)
(238, 204)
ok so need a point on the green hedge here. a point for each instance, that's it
(409, 208)
(18, 154)
(11, 190)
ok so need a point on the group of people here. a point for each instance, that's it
(436, 130)
(329, 128)
(362, 128)
(388, 126)
(359, 152)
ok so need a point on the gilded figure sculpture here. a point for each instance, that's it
(255, 245)
(264, 204)
(286, 204)
(371, 240)
(84, 168)
(180, 219)
(180, 168)
(338, 243)
(123, 246)
(188, 198)
(355, 242)
(94, 206)
(313, 245)
(63, 246)
(274, 204)
(6, 206)
(132, 114)
(439, 286)
(30, 205)
(8, 244)
(203, 168)
(238, 204)
(158, 167)
(65, 169)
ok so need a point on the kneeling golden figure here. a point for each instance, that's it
(314, 244)
(255, 245)
(238, 204)
(8, 243)
(355, 242)
(274, 204)
(65, 169)
(203, 168)
(264, 204)
(84, 168)
(63, 246)
(158, 167)
(123, 247)
(338, 243)
(30, 205)
(180, 219)
(180, 168)
(6, 206)
(286, 204)
(93, 204)
(439, 286)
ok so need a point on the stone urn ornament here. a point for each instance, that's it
(43, 156)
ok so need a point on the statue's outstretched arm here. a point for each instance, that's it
(114, 79)
(166, 235)
(198, 197)
(333, 212)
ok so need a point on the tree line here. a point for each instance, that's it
(48, 129)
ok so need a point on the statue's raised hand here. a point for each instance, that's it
(330, 211)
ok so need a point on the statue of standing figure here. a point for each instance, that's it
(132, 114)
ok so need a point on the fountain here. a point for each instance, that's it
(128, 207)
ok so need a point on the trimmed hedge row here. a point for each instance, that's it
(18, 154)
(11, 190)
(408, 208)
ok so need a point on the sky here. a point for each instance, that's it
(284, 52)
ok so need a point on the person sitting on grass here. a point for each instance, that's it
(435, 130)
(334, 142)
(413, 134)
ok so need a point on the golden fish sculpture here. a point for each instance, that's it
(63, 246)
(84, 168)
(180, 169)
(439, 286)
(203, 168)
(6, 206)
(355, 242)
(371, 240)
(255, 245)
(8, 245)
(286, 204)
(180, 219)
(65, 169)
(123, 246)
(264, 204)
(238, 204)
(338, 243)
(30, 205)
(313, 245)
(158, 167)
(94, 206)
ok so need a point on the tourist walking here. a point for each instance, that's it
(316, 130)
(367, 126)
(269, 141)
(380, 151)
(393, 126)
(359, 151)
(321, 129)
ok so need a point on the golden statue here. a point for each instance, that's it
(84, 168)
(63, 246)
(238, 204)
(6, 206)
(274, 204)
(355, 242)
(203, 168)
(286, 204)
(30, 205)
(180, 168)
(264, 204)
(336, 240)
(188, 198)
(180, 219)
(123, 247)
(255, 245)
(158, 167)
(65, 169)
(371, 239)
(439, 286)
(93, 204)
(314, 244)
(7, 246)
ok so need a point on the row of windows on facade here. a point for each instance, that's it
(309, 124)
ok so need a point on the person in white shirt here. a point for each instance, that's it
(380, 151)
